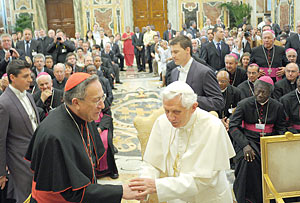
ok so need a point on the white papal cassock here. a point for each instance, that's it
(194, 157)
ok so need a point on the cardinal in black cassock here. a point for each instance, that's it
(66, 148)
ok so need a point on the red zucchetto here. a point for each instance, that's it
(75, 79)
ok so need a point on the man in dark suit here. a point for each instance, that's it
(19, 119)
(107, 53)
(214, 52)
(7, 53)
(45, 41)
(116, 50)
(139, 49)
(169, 33)
(60, 80)
(294, 42)
(60, 47)
(29, 46)
(193, 29)
(39, 65)
(200, 77)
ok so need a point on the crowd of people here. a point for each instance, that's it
(248, 75)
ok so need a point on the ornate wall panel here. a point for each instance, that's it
(104, 18)
(212, 11)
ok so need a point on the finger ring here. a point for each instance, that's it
(247, 154)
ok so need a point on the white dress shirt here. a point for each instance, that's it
(184, 70)
(27, 105)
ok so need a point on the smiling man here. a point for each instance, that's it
(254, 117)
(63, 150)
(194, 161)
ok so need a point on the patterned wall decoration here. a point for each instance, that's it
(190, 13)
(212, 11)
(260, 6)
(102, 2)
(104, 18)
(23, 4)
(284, 10)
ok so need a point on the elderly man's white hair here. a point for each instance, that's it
(179, 88)
(42, 76)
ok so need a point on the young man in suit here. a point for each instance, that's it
(200, 77)
(29, 46)
(19, 119)
(139, 49)
(214, 52)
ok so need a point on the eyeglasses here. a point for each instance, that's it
(102, 99)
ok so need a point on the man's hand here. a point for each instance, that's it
(261, 73)
(99, 130)
(129, 194)
(280, 72)
(145, 186)
(249, 154)
(3, 181)
(7, 55)
(225, 122)
(15, 53)
(45, 94)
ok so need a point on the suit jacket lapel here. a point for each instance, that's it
(190, 74)
(212, 45)
(21, 109)
(34, 107)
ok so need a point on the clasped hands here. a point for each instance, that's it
(139, 188)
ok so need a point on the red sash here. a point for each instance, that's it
(103, 161)
(297, 127)
(273, 73)
(268, 128)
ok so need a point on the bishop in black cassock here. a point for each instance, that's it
(269, 57)
(254, 117)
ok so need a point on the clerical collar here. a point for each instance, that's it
(224, 90)
(78, 120)
(269, 49)
(17, 92)
(298, 91)
(187, 66)
(264, 102)
(191, 121)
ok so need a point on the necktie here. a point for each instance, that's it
(27, 48)
(219, 47)
(170, 35)
(101, 45)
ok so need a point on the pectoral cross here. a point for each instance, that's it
(270, 71)
(262, 134)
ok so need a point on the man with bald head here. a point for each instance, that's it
(231, 96)
(270, 58)
(288, 83)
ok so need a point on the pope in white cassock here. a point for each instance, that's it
(192, 147)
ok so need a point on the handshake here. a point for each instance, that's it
(139, 188)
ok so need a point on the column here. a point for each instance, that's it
(173, 12)
(128, 14)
